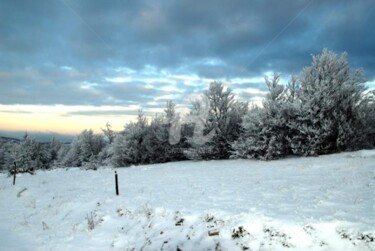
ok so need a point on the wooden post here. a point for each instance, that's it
(116, 181)
(14, 173)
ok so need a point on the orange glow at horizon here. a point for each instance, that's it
(57, 119)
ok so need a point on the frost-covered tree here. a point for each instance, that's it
(216, 118)
(265, 130)
(128, 146)
(365, 137)
(109, 133)
(61, 155)
(119, 151)
(84, 150)
(54, 147)
(6, 157)
(162, 142)
(170, 133)
(155, 142)
(2, 156)
(30, 155)
(321, 111)
(330, 96)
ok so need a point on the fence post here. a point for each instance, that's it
(14, 173)
(116, 181)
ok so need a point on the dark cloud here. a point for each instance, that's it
(67, 52)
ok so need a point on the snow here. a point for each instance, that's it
(315, 203)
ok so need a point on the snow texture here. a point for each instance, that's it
(314, 203)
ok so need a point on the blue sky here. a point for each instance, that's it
(79, 64)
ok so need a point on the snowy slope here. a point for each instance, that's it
(321, 203)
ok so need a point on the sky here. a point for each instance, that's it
(69, 65)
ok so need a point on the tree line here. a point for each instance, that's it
(325, 109)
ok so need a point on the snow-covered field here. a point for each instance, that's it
(317, 203)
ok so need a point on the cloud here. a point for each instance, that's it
(103, 112)
(141, 53)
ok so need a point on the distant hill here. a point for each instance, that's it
(9, 139)
(39, 136)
